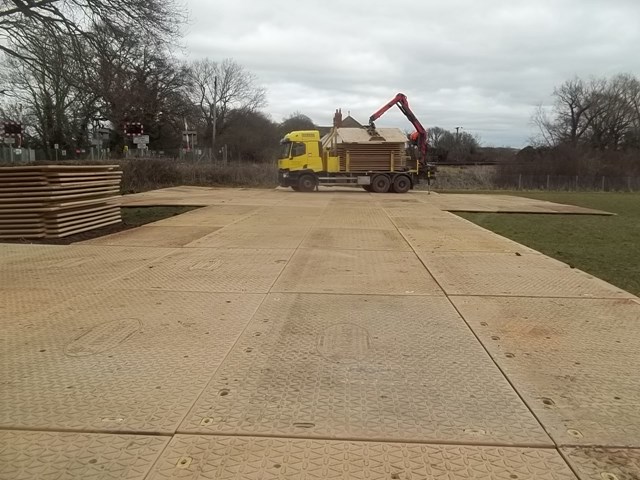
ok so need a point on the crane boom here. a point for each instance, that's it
(401, 101)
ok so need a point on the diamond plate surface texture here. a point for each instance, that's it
(464, 239)
(356, 271)
(202, 458)
(355, 217)
(217, 215)
(202, 196)
(362, 367)
(77, 456)
(77, 266)
(469, 273)
(154, 236)
(431, 220)
(574, 361)
(117, 361)
(19, 304)
(14, 251)
(210, 270)
(604, 463)
(243, 236)
(504, 203)
(355, 239)
(282, 218)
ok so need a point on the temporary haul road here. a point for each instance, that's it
(337, 335)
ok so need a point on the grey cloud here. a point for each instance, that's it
(482, 65)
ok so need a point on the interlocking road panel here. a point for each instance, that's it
(362, 367)
(355, 217)
(199, 196)
(117, 361)
(18, 304)
(470, 273)
(210, 270)
(466, 239)
(574, 361)
(201, 457)
(355, 239)
(17, 251)
(154, 236)
(282, 218)
(603, 463)
(242, 236)
(428, 222)
(503, 203)
(76, 266)
(263, 221)
(356, 271)
(217, 215)
(77, 456)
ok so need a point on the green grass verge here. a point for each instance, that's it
(136, 216)
(607, 247)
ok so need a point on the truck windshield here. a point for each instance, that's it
(285, 150)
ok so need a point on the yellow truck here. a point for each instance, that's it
(376, 161)
(379, 160)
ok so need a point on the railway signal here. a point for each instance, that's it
(133, 129)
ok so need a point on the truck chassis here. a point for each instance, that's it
(377, 182)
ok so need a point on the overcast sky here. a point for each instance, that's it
(480, 64)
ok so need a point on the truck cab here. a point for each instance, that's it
(302, 161)
(301, 150)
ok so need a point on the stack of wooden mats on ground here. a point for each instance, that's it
(55, 201)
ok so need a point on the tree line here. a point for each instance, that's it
(73, 69)
(591, 128)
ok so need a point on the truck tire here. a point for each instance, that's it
(401, 184)
(295, 188)
(307, 183)
(380, 183)
(367, 188)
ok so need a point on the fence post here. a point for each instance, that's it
(548, 178)
(603, 183)
(520, 182)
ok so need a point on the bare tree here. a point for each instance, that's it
(114, 79)
(435, 136)
(576, 107)
(601, 113)
(54, 109)
(295, 121)
(547, 132)
(77, 18)
(226, 85)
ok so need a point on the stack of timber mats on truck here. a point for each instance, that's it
(367, 153)
(57, 201)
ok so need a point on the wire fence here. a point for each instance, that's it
(24, 156)
(603, 183)
(450, 179)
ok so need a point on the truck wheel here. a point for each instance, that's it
(367, 188)
(401, 184)
(295, 189)
(380, 184)
(306, 183)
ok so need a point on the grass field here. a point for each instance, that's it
(607, 247)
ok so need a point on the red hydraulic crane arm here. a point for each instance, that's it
(400, 100)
